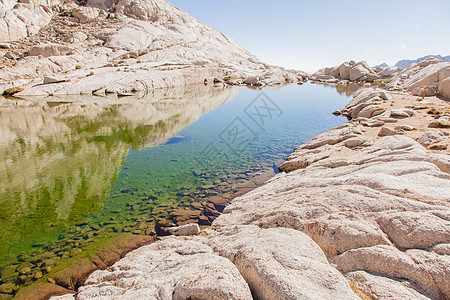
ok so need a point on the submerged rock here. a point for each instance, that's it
(189, 229)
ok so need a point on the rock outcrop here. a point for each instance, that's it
(375, 208)
(425, 78)
(359, 72)
(125, 46)
(19, 19)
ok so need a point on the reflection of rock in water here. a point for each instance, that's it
(344, 88)
(349, 88)
(176, 139)
(58, 161)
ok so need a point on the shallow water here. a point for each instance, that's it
(74, 171)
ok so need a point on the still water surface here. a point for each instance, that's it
(77, 171)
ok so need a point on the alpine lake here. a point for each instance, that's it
(90, 178)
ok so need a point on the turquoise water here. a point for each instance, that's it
(75, 173)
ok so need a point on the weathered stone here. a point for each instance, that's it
(86, 14)
(47, 50)
(273, 262)
(48, 79)
(344, 71)
(386, 131)
(431, 137)
(172, 268)
(444, 88)
(415, 230)
(12, 91)
(402, 113)
(20, 20)
(405, 127)
(340, 235)
(426, 91)
(357, 142)
(370, 111)
(383, 287)
(190, 229)
(388, 261)
(358, 72)
(372, 122)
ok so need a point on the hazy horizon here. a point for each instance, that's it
(310, 35)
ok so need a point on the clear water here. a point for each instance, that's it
(75, 172)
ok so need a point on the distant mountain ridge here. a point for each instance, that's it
(383, 65)
(406, 62)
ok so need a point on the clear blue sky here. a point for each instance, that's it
(308, 35)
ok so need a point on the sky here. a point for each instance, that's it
(309, 35)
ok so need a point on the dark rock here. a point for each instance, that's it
(12, 91)
(219, 202)
(41, 291)
(8, 271)
(7, 288)
(5, 297)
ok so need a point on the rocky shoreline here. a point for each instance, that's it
(361, 211)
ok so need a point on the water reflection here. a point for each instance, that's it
(59, 157)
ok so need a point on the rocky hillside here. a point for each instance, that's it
(120, 46)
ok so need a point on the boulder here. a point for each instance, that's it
(428, 75)
(362, 72)
(335, 72)
(357, 72)
(370, 111)
(86, 14)
(358, 142)
(431, 137)
(372, 122)
(402, 113)
(47, 50)
(444, 88)
(344, 71)
(173, 268)
(189, 229)
(20, 20)
(442, 122)
(387, 131)
(444, 73)
(365, 65)
(327, 71)
(426, 90)
(281, 263)
(50, 79)
(76, 37)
